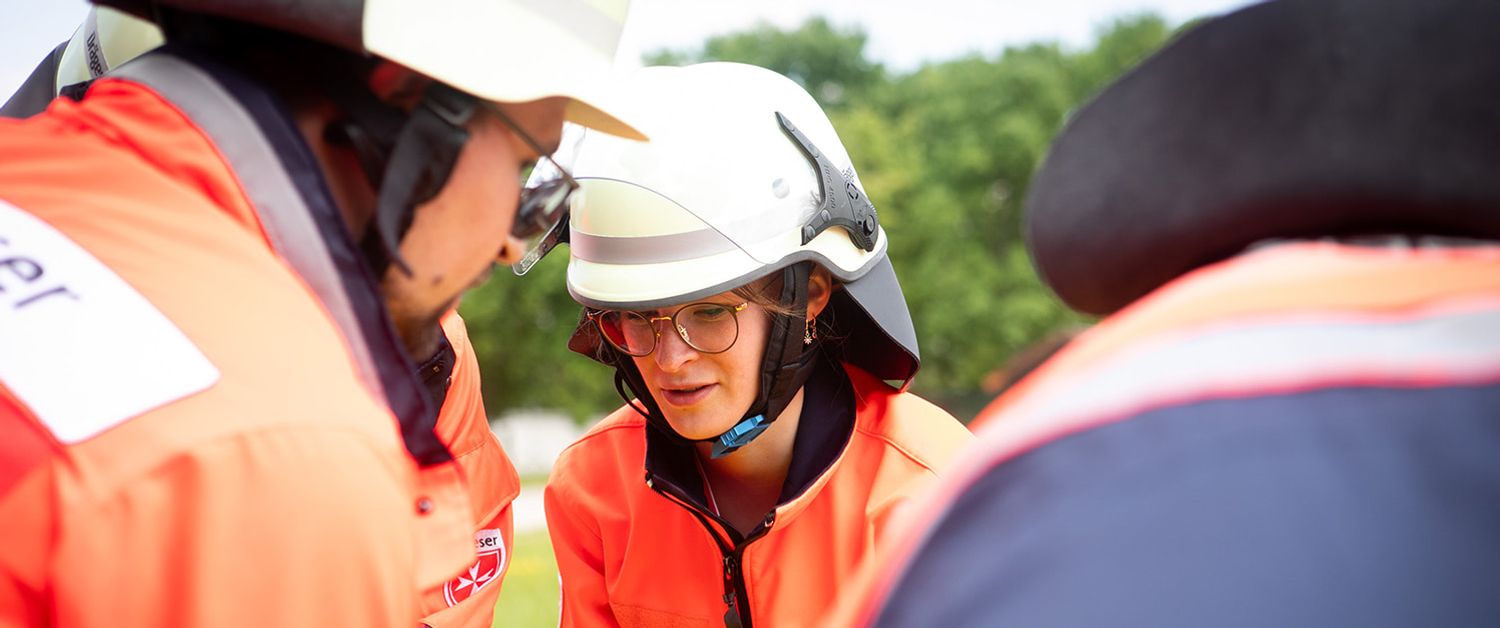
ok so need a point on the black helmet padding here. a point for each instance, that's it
(1286, 119)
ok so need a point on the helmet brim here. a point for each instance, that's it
(511, 52)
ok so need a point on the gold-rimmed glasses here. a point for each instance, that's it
(706, 327)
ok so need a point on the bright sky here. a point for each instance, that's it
(903, 33)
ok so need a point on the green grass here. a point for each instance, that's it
(536, 480)
(528, 595)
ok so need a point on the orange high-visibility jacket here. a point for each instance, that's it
(468, 600)
(631, 552)
(187, 438)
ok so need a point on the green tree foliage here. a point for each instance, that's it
(520, 328)
(829, 62)
(946, 152)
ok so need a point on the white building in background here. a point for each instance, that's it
(534, 438)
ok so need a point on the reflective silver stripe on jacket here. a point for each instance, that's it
(1443, 344)
(283, 214)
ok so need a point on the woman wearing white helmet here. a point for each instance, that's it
(735, 276)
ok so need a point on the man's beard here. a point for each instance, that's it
(422, 336)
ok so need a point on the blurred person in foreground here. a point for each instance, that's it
(253, 241)
(1291, 216)
(108, 38)
(736, 277)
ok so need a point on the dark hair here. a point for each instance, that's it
(764, 291)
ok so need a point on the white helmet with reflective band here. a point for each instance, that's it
(507, 51)
(744, 175)
(720, 195)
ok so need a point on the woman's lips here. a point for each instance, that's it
(686, 396)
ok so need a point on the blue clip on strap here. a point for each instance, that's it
(739, 435)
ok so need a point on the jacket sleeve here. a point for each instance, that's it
(492, 483)
(928, 440)
(580, 557)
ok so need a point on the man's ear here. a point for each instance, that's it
(819, 290)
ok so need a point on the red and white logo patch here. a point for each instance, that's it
(488, 568)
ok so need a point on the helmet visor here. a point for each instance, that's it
(542, 215)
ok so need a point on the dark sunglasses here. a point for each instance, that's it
(541, 205)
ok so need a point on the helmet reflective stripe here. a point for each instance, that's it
(762, 240)
(671, 247)
(759, 240)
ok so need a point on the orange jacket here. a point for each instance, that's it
(187, 440)
(631, 556)
(469, 599)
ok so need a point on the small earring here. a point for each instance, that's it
(811, 332)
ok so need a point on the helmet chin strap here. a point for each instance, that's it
(406, 157)
(784, 368)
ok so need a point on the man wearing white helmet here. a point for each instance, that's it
(219, 270)
(108, 38)
(735, 276)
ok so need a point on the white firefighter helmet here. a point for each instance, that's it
(507, 51)
(744, 175)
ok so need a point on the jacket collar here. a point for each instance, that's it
(823, 433)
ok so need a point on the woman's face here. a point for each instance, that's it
(704, 394)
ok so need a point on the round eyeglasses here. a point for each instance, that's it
(706, 327)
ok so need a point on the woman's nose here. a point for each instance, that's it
(672, 349)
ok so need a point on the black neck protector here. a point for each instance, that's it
(784, 368)
(407, 157)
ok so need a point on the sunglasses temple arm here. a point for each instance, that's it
(557, 235)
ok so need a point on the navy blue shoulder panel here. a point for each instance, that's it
(40, 87)
(1340, 507)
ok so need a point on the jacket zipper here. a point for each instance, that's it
(736, 595)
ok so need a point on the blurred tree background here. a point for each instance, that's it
(945, 152)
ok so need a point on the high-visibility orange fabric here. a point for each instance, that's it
(628, 556)
(1284, 282)
(282, 494)
(468, 600)
(1291, 277)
